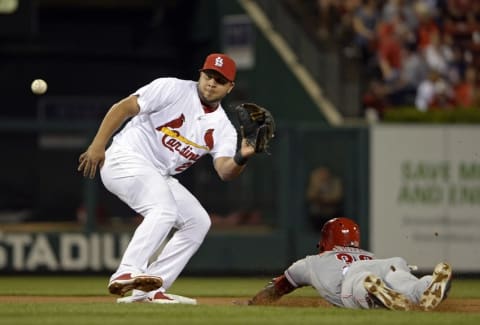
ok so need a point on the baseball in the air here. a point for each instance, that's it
(39, 87)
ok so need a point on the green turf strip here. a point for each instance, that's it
(106, 313)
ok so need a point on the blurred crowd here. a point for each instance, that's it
(415, 53)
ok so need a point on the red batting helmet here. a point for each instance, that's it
(339, 232)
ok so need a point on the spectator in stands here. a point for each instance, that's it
(389, 57)
(412, 71)
(439, 53)
(434, 93)
(392, 35)
(389, 52)
(365, 22)
(457, 65)
(467, 92)
(402, 8)
(427, 25)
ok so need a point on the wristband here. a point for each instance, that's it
(239, 159)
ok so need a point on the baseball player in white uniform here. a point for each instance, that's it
(347, 276)
(173, 124)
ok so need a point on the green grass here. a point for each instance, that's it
(97, 286)
(153, 314)
(106, 313)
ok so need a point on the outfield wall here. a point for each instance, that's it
(425, 194)
(415, 191)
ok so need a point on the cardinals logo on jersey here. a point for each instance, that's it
(175, 142)
(208, 137)
(173, 124)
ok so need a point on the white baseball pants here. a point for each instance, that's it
(165, 204)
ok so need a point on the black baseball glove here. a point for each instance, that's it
(257, 125)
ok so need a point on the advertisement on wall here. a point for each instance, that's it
(425, 195)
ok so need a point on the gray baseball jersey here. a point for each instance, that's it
(325, 271)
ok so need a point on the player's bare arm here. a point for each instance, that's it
(273, 291)
(94, 156)
(227, 168)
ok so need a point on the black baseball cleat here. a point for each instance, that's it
(385, 297)
(126, 282)
(438, 288)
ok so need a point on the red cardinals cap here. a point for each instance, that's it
(221, 63)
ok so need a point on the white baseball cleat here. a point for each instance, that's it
(126, 282)
(384, 296)
(438, 289)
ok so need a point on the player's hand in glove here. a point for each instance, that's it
(257, 125)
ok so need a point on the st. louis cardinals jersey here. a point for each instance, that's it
(172, 130)
(325, 271)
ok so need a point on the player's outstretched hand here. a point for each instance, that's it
(90, 161)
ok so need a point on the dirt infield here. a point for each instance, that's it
(449, 305)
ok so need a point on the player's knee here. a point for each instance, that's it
(398, 263)
(197, 227)
(163, 215)
(204, 223)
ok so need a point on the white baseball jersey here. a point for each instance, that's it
(170, 133)
(172, 130)
(325, 271)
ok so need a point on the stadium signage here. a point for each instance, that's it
(72, 252)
